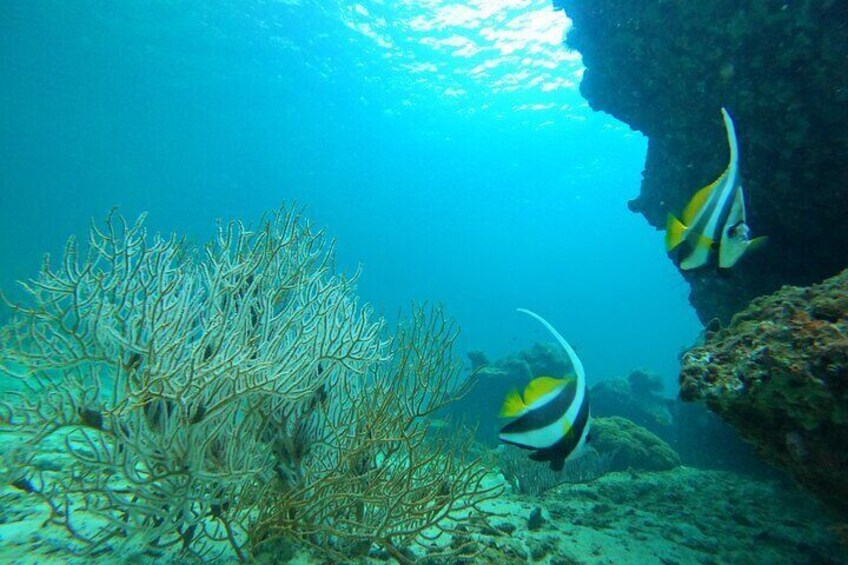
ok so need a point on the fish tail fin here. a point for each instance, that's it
(675, 231)
(556, 464)
(513, 405)
(540, 455)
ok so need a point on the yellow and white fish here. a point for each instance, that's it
(553, 417)
(715, 215)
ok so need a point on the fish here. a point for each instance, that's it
(714, 217)
(552, 418)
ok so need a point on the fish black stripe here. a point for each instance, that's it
(546, 414)
(700, 227)
(559, 452)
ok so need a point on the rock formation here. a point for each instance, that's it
(632, 446)
(666, 67)
(779, 375)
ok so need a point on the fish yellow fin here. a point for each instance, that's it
(539, 387)
(674, 232)
(513, 405)
(698, 201)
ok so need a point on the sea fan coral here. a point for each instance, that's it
(182, 389)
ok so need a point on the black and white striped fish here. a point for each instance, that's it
(715, 218)
(553, 416)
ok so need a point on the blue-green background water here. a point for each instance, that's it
(444, 145)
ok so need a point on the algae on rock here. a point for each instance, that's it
(779, 375)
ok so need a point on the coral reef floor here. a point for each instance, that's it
(681, 516)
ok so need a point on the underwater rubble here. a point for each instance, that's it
(665, 69)
(779, 375)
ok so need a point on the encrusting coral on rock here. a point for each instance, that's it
(779, 375)
(633, 446)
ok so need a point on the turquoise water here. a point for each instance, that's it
(446, 149)
(444, 145)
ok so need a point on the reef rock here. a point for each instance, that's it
(634, 446)
(638, 399)
(665, 68)
(779, 375)
(698, 436)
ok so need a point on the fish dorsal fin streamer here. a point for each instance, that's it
(733, 148)
(730, 129)
(539, 387)
(701, 197)
(572, 356)
(513, 405)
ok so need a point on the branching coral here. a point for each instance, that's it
(378, 478)
(210, 400)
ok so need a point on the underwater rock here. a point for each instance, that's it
(698, 436)
(665, 69)
(645, 384)
(636, 399)
(547, 359)
(535, 520)
(779, 375)
(634, 446)
(478, 360)
(704, 440)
